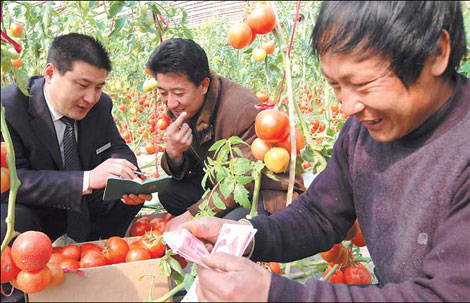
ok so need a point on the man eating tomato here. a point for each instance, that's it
(400, 165)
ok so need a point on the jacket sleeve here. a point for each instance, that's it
(446, 268)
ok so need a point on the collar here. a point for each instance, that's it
(54, 113)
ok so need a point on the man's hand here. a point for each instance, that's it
(111, 168)
(240, 280)
(177, 221)
(178, 138)
(208, 229)
(132, 199)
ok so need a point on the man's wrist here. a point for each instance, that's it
(251, 246)
(86, 190)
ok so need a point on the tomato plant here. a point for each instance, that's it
(31, 250)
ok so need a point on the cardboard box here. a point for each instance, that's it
(110, 283)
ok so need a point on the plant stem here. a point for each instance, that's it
(330, 273)
(14, 182)
(169, 294)
(254, 205)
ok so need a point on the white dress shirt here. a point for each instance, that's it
(60, 129)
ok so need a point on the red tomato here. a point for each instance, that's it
(31, 250)
(56, 258)
(336, 277)
(306, 164)
(275, 267)
(88, 247)
(139, 228)
(137, 254)
(262, 19)
(92, 259)
(259, 148)
(322, 126)
(9, 268)
(239, 35)
(69, 264)
(268, 46)
(162, 124)
(153, 242)
(150, 148)
(34, 280)
(57, 274)
(5, 179)
(272, 125)
(4, 155)
(359, 239)
(143, 219)
(116, 250)
(357, 274)
(71, 251)
(299, 142)
(57, 250)
(262, 95)
(352, 232)
(158, 224)
(135, 244)
(338, 254)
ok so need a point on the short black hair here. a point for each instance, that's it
(72, 47)
(405, 32)
(180, 56)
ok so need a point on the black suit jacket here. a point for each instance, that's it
(38, 159)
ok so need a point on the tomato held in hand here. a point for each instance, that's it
(357, 274)
(153, 242)
(9, 268)
(338, 254)
(92, 259)
(137, 254)
(336, 277)
(71, 251)
(116, 250)
(272, 125)
(31, 250)
(34, 280)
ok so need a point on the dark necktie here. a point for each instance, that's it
(72, 160)
(77, 222)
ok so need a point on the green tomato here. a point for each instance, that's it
(12, 54)
(143, 8)
(259, 54)
(150, 84)
(148, 19)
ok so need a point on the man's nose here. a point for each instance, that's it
(351, 103)
(172, 101)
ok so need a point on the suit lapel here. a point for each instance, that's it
(41, 123)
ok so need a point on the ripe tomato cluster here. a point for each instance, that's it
(348, 271)
(261, 20)
(5, 177)
(273, 145)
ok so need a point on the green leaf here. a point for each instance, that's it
(204, 180)
(175, 265)
(217, 144)
(115, 8)
(238, 151)
(243, 179)
(234, 140)
(164, 267)
(241, 196)
(220, 173)
(217, 201)
(188, 281)
(21, 80)
(205, 193)
(330, 132)
(226, 188)
(241, 165)
(273, 176)
(223, 153)
(118, 24)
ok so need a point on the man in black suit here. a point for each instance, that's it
(57, 194)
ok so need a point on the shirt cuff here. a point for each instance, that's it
(86, 183)
(253, 240)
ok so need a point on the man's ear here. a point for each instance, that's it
(440, 60)
(49, 71)
(205, 84)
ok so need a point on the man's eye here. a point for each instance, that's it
(82, 85)
(179, 95)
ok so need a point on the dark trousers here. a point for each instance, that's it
(179, 195)
(107, 218)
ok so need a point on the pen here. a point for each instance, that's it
(140, 174)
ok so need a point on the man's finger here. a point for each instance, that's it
(179, 121)
(223, 261)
